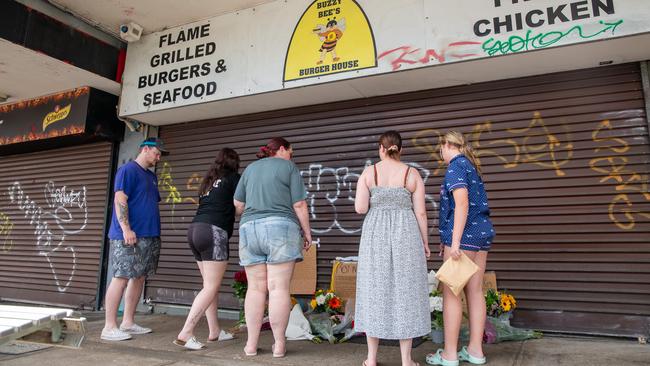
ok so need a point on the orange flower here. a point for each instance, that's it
(334, 303)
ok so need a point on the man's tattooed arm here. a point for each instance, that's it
(122, 210)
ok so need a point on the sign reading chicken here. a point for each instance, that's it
(332, 36)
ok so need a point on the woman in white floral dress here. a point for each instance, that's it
(392, 289)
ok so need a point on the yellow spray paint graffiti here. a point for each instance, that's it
(166, 183)
(193, 185)
(6, 226)
(172, 195)
(537, 144)
(534, 144)
(541, 147)
(427, 142)
(483, 149)
(621, 209)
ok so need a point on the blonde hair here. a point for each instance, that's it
(458, 140)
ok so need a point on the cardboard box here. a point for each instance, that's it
(303, 281)
(344, 279)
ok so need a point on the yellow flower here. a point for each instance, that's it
(506, 308)
(512, 300)
(313, 303)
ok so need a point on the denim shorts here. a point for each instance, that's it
(269, 240)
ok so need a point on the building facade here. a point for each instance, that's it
(553, 95)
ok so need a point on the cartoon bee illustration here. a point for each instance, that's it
(329, 34)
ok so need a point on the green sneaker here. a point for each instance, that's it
(463, 355)
(436, 359)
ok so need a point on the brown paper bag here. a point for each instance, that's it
(456, 273)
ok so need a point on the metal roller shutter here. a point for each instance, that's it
(52, 218)
(565, 160)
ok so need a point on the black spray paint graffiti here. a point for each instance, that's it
(67, 210)
(328, 188)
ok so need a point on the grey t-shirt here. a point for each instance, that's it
(270, 187)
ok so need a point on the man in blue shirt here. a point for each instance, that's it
(134, 237)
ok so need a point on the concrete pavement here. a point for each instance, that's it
(156, 349)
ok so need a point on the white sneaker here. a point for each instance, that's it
(191, 344)
(135, 329)
(114, 334)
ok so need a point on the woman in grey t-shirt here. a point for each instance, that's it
(271, 197)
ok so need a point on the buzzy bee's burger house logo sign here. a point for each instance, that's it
(332, 36)
(59, 114)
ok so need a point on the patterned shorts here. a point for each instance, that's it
(483, 246)
(207, 242)
(133, 261)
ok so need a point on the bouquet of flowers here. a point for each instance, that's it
(326, 302)
(499, 303)
(240, 285)
(326, 315)
(435, 307)
(498, 331)
(435, 301)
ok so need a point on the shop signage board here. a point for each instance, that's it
(294, 43)
(55, 115)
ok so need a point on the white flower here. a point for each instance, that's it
(435, 303)
(320, 299)
(433, 281)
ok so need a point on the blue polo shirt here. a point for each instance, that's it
(478, 230)
(141, 187)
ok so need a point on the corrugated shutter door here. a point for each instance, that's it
(52, 215)
(565, 160)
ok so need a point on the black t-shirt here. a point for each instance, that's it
(216, 207)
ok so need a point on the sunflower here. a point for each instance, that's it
(313, 303)
(512, 300)
(505, 303)
(506, 307)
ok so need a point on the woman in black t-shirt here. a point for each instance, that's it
(208, 236)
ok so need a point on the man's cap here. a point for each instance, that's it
(155, 142)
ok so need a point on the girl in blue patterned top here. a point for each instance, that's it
(465, 226)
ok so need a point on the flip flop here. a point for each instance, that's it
(223, 336)
(277, 355)
(463, 355)
(436, 359)
(192, 344)
(250, 354)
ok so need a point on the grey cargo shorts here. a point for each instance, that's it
(133, 261)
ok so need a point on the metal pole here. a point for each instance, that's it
(645, 78)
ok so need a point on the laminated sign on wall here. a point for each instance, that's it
(332, 36)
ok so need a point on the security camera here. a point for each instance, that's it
(130, 32)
